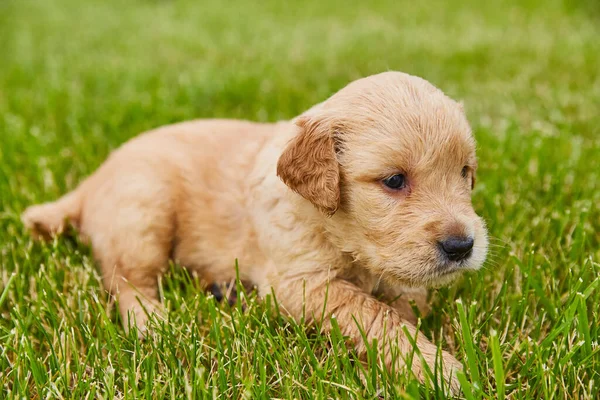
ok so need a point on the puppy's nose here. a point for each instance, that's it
(457, 248)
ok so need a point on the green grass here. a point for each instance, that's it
(79, 78)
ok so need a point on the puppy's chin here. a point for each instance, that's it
(437, 274)
(444, 278)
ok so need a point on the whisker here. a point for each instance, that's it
(498, 246)
(378, 281)
(496, 239)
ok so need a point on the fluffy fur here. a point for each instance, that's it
(328, 233)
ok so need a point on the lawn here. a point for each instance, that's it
(78, 78)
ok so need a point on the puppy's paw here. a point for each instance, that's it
(447, 377)
(136, 315)
(43, 221)
(451, 366)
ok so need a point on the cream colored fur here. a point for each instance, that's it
(205, 193)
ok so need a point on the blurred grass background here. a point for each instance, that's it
(79, 78)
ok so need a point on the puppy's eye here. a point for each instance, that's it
(465, 171)
(396, 182)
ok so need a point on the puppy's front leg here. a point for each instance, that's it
(349, 305)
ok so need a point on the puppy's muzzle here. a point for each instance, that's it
(457, 248)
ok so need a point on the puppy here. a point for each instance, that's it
(350, 210)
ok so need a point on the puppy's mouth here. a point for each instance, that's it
(439, 268)
(440, 274)
(444, 275)
(446, 271)
(446, 267)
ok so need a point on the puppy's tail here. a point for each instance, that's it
(50, 219)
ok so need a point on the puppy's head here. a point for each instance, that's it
(391, 160)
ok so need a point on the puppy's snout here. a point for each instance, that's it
(457, 248)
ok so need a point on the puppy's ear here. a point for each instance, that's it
(309, 166)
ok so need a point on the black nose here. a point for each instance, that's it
(457, 248)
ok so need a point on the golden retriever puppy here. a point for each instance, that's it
(364, 198)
